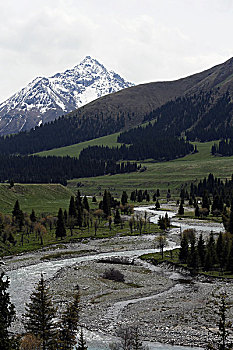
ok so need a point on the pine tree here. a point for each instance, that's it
(33, 216)
(107, 203)
(18, 215)
(124, 198)
(81, 342)
(184, 249)
(117, 218)
(39, 318)
(78, 200)
(69, 324)
(181, 209)
(85, 203)
(220, 250)
(230, 259)
(133, 196)
(72, 209)
(197, 212)
(16, 208)
(157, 205)
(94, 199)
(7, 313)
(60, 229)
(201, 249)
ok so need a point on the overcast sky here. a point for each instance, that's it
(142, 40)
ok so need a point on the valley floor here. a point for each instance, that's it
(169, 306)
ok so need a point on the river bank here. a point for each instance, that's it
(168, 306)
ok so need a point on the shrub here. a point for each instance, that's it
(114, 275)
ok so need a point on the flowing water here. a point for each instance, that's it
(24, 279)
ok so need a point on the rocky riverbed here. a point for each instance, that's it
(169, 306)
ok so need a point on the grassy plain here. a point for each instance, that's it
(46, 198)
(173, 174)
(162, 175)
(74, 150)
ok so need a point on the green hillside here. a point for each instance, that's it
(46, 198)
(163, 175)
(74, 150)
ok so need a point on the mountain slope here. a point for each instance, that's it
(44, 99)
(129, 107)
(140, 100)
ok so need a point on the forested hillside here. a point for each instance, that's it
(206, 92)
(200, 117)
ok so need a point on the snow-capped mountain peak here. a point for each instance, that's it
(44, 99)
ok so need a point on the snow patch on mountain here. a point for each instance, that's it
(62, 93)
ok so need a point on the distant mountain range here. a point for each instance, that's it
(199, 106)
(44, 99)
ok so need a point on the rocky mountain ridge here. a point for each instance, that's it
(44, 99)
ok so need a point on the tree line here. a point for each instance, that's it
(51, 169)
(224, 148)
(143, 146)
(207, 255)
(64, 131)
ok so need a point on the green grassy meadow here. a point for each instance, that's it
(48, 198)
(44, 198)
(162, 175)
(74, 150)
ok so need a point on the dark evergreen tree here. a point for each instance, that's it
(60, 228)
(85, 203)
(205, 201)
(157, 205)
(18, 215)
(133, 196)
(140, 196)
(181, 209)
(7, 314)
(72, 208)
(230, 259)
(201, 250)
(124, 198)
(33, 216)
(107, 203)
(82, 345)
(193, 258)
(39, 318)
(117, 218)
(68, 325)
(184, 249)
(220, 250)
(197, 212)
(78, 200)
(65, 217)
(210, 258)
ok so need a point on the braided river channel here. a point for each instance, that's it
(24, 277)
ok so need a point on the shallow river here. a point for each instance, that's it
(24, 279)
